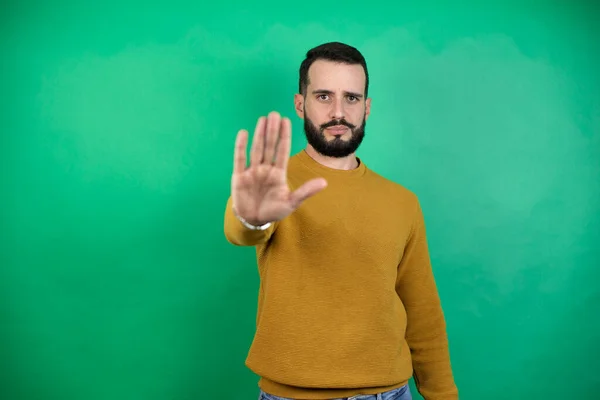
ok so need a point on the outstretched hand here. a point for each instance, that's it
(259, 191)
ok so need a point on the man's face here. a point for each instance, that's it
(335, 109)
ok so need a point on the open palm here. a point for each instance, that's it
(259, 191)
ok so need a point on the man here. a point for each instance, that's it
(348, 305)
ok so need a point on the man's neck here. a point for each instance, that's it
(345, 163)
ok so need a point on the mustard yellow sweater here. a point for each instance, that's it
(347, 302)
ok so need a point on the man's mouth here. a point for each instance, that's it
(337, 129)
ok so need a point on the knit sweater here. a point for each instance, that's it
(347, 300)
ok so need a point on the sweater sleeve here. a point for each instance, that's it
(426, 328)
(237, 234)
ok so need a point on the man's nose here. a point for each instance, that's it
(337, 110)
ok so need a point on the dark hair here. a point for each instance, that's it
(332, 51)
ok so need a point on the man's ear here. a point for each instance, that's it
(299, 105)
(368, 108)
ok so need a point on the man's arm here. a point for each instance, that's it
(238, 234)
(426, 329)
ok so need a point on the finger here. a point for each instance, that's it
(239, 154)
(285, 143)
(273, 128)
(307, 190)
(256, 154)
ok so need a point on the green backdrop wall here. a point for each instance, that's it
(118, 122)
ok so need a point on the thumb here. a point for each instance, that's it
(307, 190)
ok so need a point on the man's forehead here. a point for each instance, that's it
(330, 75)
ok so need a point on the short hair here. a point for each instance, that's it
(332, 51)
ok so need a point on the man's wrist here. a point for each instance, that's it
(250, 225)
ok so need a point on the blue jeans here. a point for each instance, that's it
(402, 393)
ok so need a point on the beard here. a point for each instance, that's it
(336, 147)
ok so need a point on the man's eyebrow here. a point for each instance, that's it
(325, 91)
(357, 95)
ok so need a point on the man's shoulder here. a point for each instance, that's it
(296, 167)
(294, 159)
(390, 186)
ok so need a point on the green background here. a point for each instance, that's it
(118, 124)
